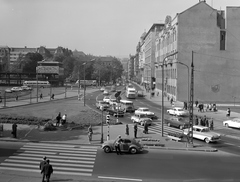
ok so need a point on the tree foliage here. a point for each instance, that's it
(30, 62)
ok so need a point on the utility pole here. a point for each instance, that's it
(190, 134)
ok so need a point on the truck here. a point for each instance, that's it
(115, 111)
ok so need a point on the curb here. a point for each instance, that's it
(184, 149)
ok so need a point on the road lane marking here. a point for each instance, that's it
(126, 179)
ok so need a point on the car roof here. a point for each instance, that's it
(143, 108)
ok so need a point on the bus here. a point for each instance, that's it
(130, 93)
(87, 82)
(35, 83)
(127, 106)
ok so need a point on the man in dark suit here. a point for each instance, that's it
(42, 163)
(47, 170)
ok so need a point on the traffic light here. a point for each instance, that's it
(108, 119)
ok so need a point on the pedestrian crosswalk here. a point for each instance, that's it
(157, 128)
(65, 159)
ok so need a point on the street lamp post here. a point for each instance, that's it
(188, 76)
(163, 89)
(84, 89)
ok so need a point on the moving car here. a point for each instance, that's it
(115, 111)
(26, 87)
(177, 122)
(102, 89)
(177, 111)
(16, 89)
(203, 133)
(140, 93)
(106, 92)
(106, 99)
(8, 90)
(127, 145)
(141, 119)
(145, 111)
(102, 105)
(233, 123)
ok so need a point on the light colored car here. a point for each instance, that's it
(233, 123)
(177, 111)
(127, 145)
(145, 111)
(203, 133)
(102, 89)
(102, 105)
(8, 90)
(26, 88)
(16, 89)
(106, 92)
(106, 99)
(141, 119)
(113, 101)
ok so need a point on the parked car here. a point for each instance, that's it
(141, 119)
(203, 133)
(177, 122)
(106, 92)
(233, 123)
(145, 111)
(127, 145)
(177, 111)
(102, 105)
(16, 89)
(106, 99)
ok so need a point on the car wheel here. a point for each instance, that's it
(169, 124)
(227, 125)
(107, 149)
(206, 140)
(133, 150)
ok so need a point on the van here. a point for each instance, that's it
(127, 106)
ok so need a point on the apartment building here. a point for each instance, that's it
(210, 39)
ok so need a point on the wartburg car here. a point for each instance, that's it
(177, 111)
(177, 122)
(127, 145)
(203, 133)
(146, 111)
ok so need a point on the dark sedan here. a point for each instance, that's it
(177, 122)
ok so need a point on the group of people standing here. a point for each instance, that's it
(46, 169)
(204, 121)
(206, 107)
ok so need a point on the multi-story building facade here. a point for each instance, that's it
(204, 36)
(149, 53)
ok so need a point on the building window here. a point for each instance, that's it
(222, 40)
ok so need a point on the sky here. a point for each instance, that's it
(97, 27)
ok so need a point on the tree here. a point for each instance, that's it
(68, 65)
(30, 62)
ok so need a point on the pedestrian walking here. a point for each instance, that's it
(16, 97)
(52, 97)
(196, 103)
(58, 118)
(127, 130)
(14, 130)
(43, 163)
(47, 170)
(90, 132)
(228, 112)
(41, 96)
(117, 145)
(64, 119)
(135, 130)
